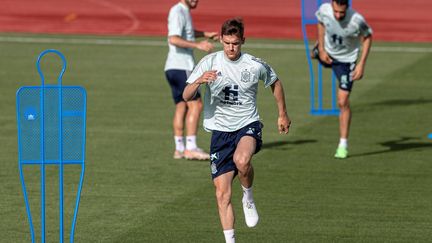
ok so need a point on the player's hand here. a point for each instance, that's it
(205, 46)
(357, 74)
(324, 57)
(284, 123)
(212, 35)
(208, 77)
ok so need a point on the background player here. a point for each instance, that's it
(340, 32)
(179, 64)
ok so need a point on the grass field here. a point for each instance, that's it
(135, 192)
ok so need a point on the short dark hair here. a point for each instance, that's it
(233, 27)
(342, 2)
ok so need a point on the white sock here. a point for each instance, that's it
(191, 142)
(247, 194)
(343, 142)
(229, 236)
(179, 143)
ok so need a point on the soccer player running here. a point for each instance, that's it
(340, 32)
(231, 79)
(178, 66)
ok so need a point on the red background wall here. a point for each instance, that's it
(395, 20)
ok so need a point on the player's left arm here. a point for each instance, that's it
(360, 67)
(284, 122)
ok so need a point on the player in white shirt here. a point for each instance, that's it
(341, 30)
(230, 113)
(179, 63)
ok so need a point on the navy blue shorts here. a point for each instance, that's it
(224, 144)
(177, 80)
(342, 70)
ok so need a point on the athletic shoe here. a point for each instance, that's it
(178, 155)
(250, 213)
(341, 153)
(196, 154)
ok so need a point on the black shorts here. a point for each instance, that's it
(224, 144)
(342, 70)
(177, 81)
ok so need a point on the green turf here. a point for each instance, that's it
(135, 192)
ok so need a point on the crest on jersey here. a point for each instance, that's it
(245, 76)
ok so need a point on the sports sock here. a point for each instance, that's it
(247, 194)
(179, 143)
(343, 142)
(191, 142)
(229, 236)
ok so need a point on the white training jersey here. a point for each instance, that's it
(180, 24)
(230, 100)
(342, 38)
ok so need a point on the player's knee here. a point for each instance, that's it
(195, 105)
(223, 197)
(343, 103)
(242, 161)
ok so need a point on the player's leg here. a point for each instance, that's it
(178, 127)
(192, 120)
(176, 81)
(248, 143)
(345, 113)
(342, 71)
(223, 185)
(242, 158)
(193, 116)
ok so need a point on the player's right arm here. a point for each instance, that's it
(191, 89)
(180, 42)
(323, 55)
(176, 25)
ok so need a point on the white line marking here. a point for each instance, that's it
(127, 12)
(125, 42)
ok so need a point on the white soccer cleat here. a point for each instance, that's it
(178, 155)
(196, 154)
(251, 214)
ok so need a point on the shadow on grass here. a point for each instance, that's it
(402, 144)
(280, 144)
(402, 102)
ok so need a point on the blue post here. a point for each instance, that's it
(430, 136)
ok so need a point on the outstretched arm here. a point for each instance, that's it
(359, 69)
(284, 122)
